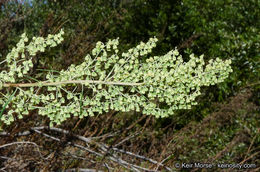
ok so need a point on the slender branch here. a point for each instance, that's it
(246, 159)
(82, 170)
(5, 157)
(126, 139)
(46, 83)
(88, 160)
(24, 142)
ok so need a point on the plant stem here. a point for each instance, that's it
(46, 83)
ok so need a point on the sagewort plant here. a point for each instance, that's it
(106, 80)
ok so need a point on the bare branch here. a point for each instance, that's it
(82, 170)
(24, 142)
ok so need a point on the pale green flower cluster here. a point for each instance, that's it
(167, 83)
(19, 60)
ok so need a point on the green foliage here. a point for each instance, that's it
(230, 31)
(226, 29)
(157, 86)
(229, 135)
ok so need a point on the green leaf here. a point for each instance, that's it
(6, 103)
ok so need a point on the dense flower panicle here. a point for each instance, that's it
(107, 80)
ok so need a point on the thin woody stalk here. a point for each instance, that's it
(46, 83)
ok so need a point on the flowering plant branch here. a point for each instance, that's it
(105, 81)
